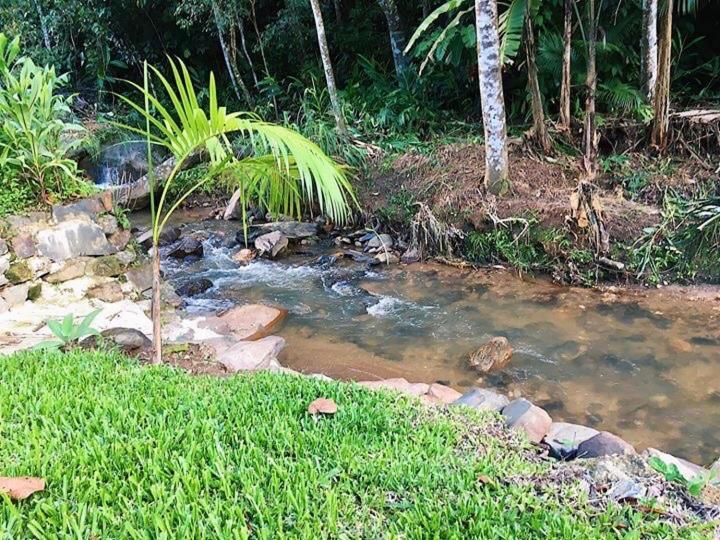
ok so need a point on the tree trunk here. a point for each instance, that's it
(156, 305)
(661, 103)
(589, 136)
(327, 66)
(539, 129)
(243, 44)
(648, 49)
(565, 82)
(43, 26)
(238, 85)
(491, 95)
(338, 12)
(397, 35)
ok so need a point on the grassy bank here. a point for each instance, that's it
(138, 452)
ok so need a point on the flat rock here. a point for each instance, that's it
(564, 438)
(688, 470)
(271, 243)
(23, 245)
(71, 239)
(483, 399)
(604, 444)
(85, 209)
(140, 277)
(399, 384)
(492, 356)
(187, 247)
(253, 355)
(108, 266)
(69, 270)
(521, 415)
(293, 230)
(248, 323)
(194, 287)
(443, 393)
(107, 292)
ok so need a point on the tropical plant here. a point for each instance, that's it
(67, 333)
(35, 136)
(283, 168)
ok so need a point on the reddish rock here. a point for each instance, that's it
(522, 415)
(120, 239)
(253, 355)
(398, 384)
(442, 393)
(492, 356)
(249, 322)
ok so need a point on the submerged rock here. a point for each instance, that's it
(244, 256)
(483, 399)
(522, 415)
(492, 356)
(271, 243)
(194, 287)
(387, 257)
(604, 444)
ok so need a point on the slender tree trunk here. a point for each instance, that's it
(589, 136)
(539, 129)
(156, 305)
(243, 44)
(491, 95)
(648, 49)
(397, 35)
(327, 66)
(565, 82)
(661, 103)
(338, 12)
(238, 85)
(43, 25)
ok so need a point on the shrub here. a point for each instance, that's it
(35, 137)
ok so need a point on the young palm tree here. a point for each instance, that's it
(283, 170)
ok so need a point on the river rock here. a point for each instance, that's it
(483, 399)
(71, 239)
(293, 230)
(194, 287)
(108, 266)
(564, 438)
(604, 444)
(386, 257)
(244, 256)
(493, 356)
(15, 295)
(271, 243)
(253, 355)
(3, 247)
(140, 277)
(120, 239)
(382, 241)
(108, 223)
(248, 323)
(398, 384)
(688, 470)
(84, 209)
(107, 292)
(24, 246)
(19, 272)
(69, 270)
(443, 394)
(187, 247)
(128, 340)
(411, 255)
(522, 415)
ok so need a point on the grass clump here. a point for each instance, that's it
(152, 452)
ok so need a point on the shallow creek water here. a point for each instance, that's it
(643, 364)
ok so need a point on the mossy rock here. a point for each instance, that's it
(108, 266)
(35, 292)
(19, 272)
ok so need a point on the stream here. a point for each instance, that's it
(643, 363)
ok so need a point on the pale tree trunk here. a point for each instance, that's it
(565, 82)
(43, 26)
(327, 66)
(397, 35)
(243, 44)
(238, 85)
(661, 103)
(589, 135)
(539, 129)
(491, 95)
(156, 305)
(648, 49)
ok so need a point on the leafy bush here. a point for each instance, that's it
(35, 138)
(67, 333)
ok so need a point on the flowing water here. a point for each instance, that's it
(643, 364)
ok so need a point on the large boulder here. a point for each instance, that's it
(74, 238)
(564, 438)
(398, 384)
(604, 444)
(492, 356)
(271, 243)
(521, 415)
(253, 355)
(483, 399)
(248, 323)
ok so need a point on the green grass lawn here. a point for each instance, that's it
(139, 452)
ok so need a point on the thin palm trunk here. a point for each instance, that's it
(565, 82)
(238, 84)
(327, 66)
(661, 103)
(491, 95)
(156, 306)
(589, 135)
(398, 41)
(648, 49)
(539, 130)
